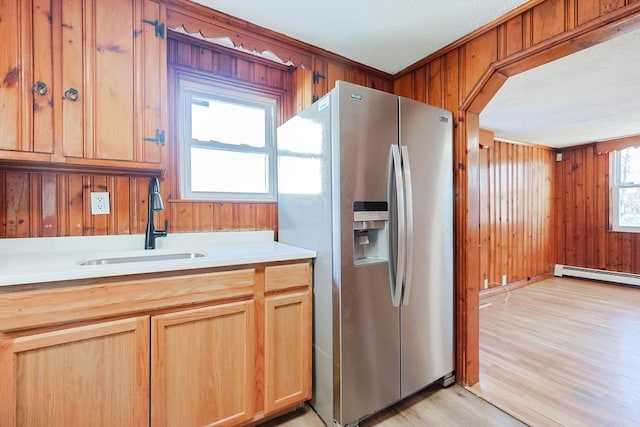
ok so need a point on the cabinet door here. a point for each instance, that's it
(202, 369)
(287, 350)
(94, 375)
(152, 89)
(111, 96)
(26, 77)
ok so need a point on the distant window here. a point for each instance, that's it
(625, 190)
(227, 140)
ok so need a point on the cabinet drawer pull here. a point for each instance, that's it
(40, 88)
(71, 94)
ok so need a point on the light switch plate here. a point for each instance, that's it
(100, 203)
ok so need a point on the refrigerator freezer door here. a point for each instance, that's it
(427, 320)
(368, 347)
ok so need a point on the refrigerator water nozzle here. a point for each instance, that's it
(363, 237)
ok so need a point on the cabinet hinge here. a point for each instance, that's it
(159, 138)
(316, 76)
(158, 27)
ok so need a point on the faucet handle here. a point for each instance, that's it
(166, 227)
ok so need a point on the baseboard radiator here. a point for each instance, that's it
(594, 274)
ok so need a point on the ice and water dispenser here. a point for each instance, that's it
(370, 231)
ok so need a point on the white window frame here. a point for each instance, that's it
(614, 193)
(189, 86)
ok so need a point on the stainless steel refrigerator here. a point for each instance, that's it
(365, 178)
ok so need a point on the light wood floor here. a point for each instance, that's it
(563, 352)
(433, 407)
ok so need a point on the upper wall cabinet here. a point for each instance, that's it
(85, 82)
(26, 79)
(110, 80)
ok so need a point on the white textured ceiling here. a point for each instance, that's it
(588, 96)
(388, 35)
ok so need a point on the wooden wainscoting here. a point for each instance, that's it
(582, 207)
(49, 205)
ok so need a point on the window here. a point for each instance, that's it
(625, 190)
(227, 140)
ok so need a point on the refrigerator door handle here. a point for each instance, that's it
(408, 196)
(395, 175)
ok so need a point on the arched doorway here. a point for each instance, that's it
(468, 285)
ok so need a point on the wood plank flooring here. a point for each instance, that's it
(433, 407)
(563, 352)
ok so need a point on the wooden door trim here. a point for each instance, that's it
(468, 284)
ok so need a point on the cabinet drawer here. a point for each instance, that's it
(34, 308)
(203, 366)
(280, 277)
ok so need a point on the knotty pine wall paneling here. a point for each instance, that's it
(462, 78)
(331, 70)
(584, 239)
(52, 204)
(517, 207)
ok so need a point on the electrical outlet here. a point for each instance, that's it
(100, 203)
(486, 283)
(504, 279)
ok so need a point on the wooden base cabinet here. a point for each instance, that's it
(287, 350)
(225, 347)
(94, 375)
(203, 369)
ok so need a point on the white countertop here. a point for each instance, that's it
(50, 259)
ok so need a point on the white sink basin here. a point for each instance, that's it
(142, 258)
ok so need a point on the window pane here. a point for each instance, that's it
(219, 171)
(630, 166)
(629, 207)
(229, 123)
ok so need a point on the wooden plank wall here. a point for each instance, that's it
(516, 212)
(50, 204)
(462, 78)
(583, 238)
